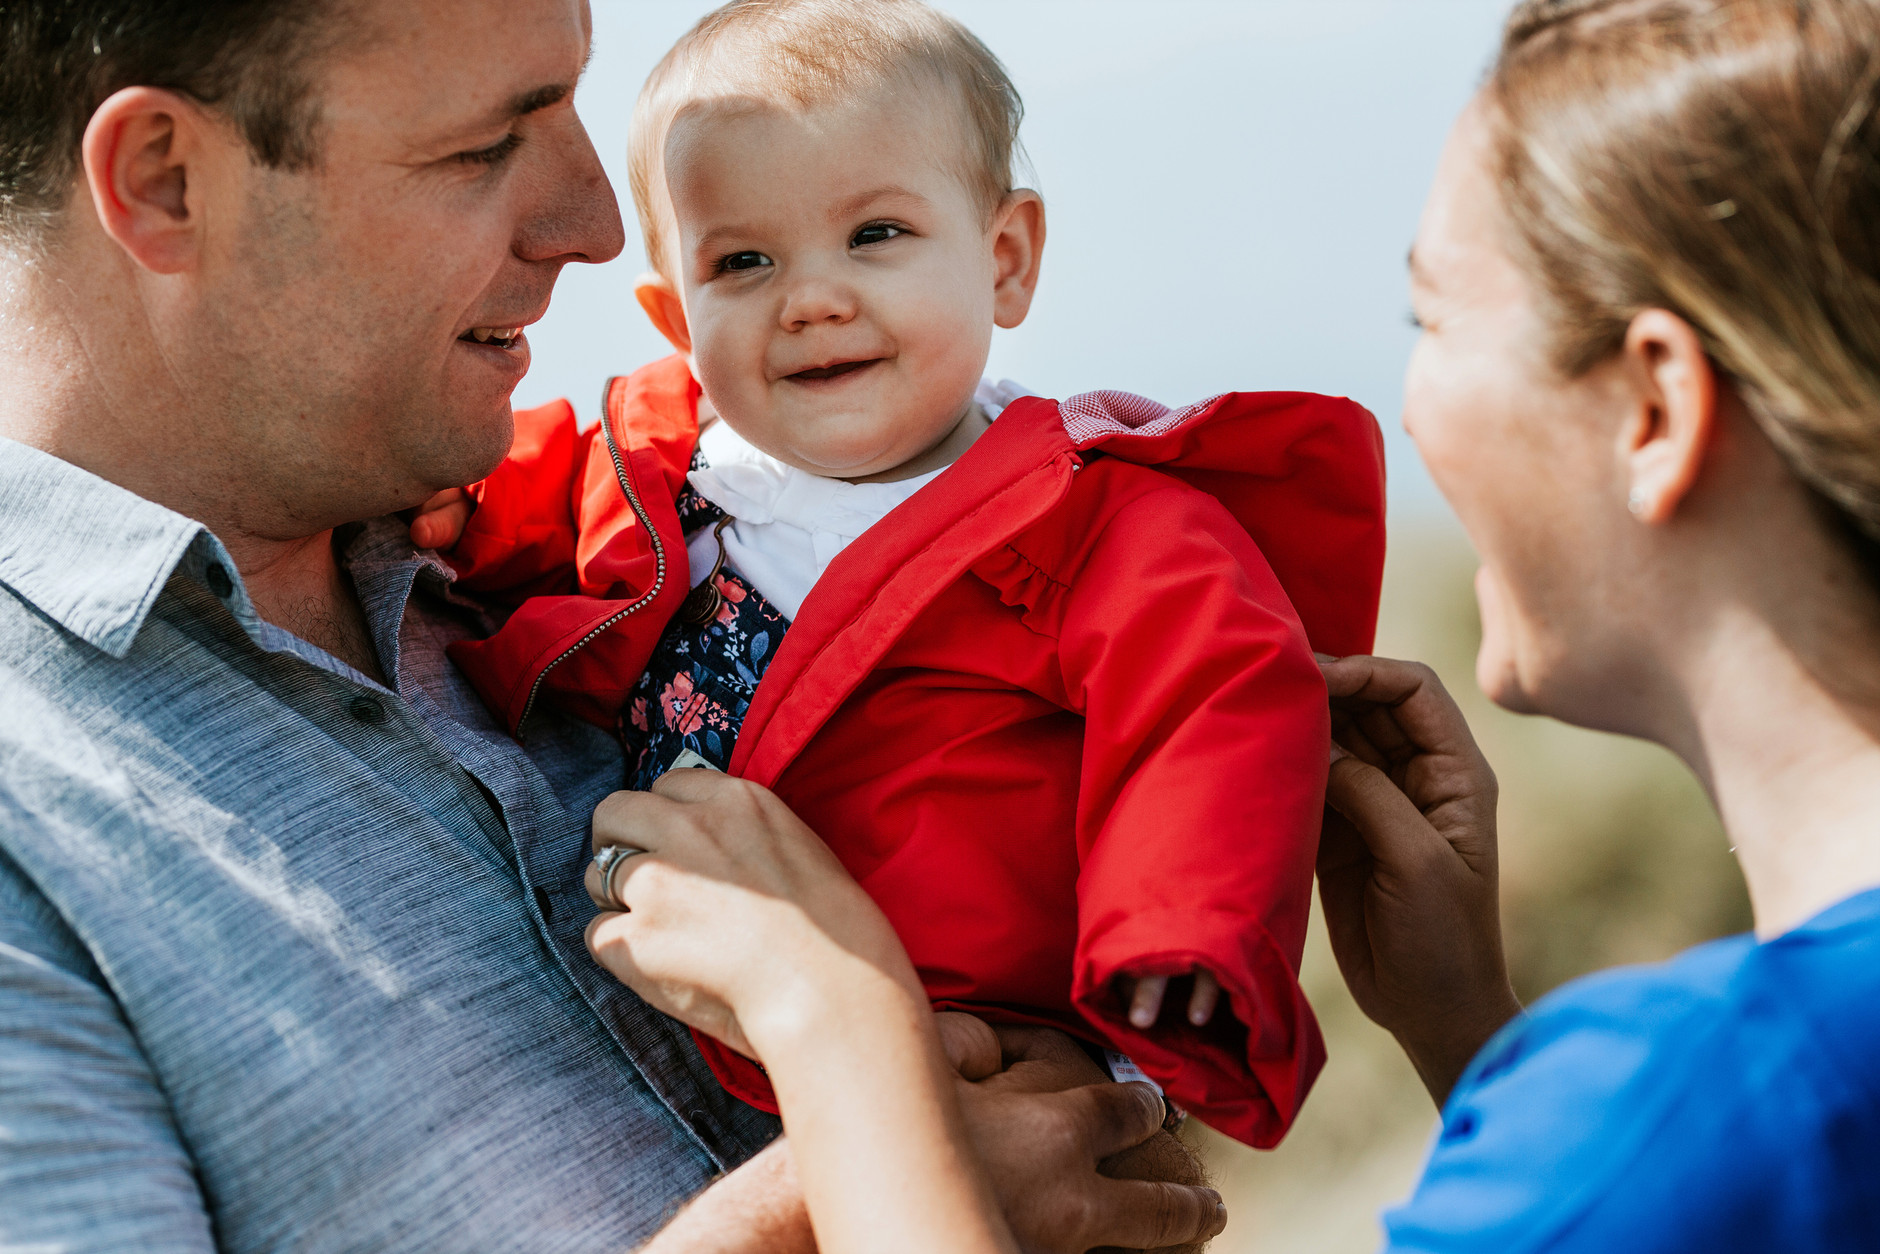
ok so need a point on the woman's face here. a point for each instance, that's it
(1528, 459)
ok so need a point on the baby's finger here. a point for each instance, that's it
(1145, 1004)
(1202, 1001)
(440, 521)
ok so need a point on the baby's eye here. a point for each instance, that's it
(875, 233)
(744, 261)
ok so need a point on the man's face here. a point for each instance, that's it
(362, 318)
(839, 275)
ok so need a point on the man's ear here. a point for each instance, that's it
(138, 153)
(1664, 443)
(1017, 253)
(666, 308)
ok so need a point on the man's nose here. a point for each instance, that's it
(815, 299)
(576, 216)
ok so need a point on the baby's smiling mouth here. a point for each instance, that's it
(836, 371)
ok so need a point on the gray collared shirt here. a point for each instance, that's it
(289, 959)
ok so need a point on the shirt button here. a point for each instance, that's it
(706, 1130)
(216, 576)
(366, 710)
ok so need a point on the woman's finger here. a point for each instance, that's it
(606, 884)
(1394, 831)
(639, 819)
(1402, 705)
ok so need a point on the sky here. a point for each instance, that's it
(1231, 188)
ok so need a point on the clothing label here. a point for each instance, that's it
(1123, 1070)
(690, 761)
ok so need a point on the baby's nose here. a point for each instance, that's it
(817, 300)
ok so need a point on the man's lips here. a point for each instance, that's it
(495, 337)
(834, 371)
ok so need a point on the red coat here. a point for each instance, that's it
(1058, 714)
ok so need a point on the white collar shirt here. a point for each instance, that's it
(788, 524)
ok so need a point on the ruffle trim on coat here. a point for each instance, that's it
(1024, 585)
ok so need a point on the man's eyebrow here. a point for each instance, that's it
(536, 100)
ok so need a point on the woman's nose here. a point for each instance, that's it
(814, 299)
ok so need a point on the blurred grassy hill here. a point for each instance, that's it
(1610, 854)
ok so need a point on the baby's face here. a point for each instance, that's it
(839, 277)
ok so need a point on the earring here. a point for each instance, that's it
(1636, 503)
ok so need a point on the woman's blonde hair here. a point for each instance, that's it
(1719, 159)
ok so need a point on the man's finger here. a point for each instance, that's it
(1113, 1117)
(1146, 1215)
(1044, 1060)
(970, 1044)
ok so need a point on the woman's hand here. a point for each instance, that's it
(1407, 866)
(733, 917)
(741, 920)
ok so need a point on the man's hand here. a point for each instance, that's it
(1079, 1163)
(1076, 1161)
(1407, 866)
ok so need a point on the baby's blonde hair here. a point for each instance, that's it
(810, 52)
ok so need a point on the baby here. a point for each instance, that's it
(1040, 673)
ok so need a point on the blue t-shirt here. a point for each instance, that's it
(1728, 1100)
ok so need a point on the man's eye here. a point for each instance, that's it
(495, 154)
(875, 233)
(744, 261)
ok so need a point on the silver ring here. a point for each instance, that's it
(607, 861)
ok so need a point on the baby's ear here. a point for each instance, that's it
(666, 308)
(1017, 253)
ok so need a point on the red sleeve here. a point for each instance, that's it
(521, 540)
(1201, 797)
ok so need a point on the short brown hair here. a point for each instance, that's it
(1719, 159)
(810, 51)
(61, 59)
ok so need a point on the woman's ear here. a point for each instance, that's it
(139, 152)
(665, 308)
(1017, 253)
(1664, 444)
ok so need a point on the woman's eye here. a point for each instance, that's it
(875, 233)
(744, 261)
(1413, 320)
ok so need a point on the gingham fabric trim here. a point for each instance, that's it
(1092, 415)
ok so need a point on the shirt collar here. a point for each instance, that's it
(756, 488)
(93, 556)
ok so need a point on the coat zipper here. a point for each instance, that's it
(659, 556)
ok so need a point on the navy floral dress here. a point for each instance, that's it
(701, 678)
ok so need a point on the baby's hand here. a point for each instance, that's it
(1145, 996)
(439, 522)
